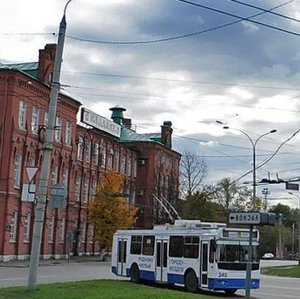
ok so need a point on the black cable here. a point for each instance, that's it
(239, 17)
(174, 37)
(266, 10)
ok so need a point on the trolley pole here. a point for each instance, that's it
(46, 162)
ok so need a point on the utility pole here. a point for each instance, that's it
(46, 162)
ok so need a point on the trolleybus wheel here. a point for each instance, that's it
(191, 281)
(135, 274)
(230, 292)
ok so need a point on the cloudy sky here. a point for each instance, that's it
(190, 62)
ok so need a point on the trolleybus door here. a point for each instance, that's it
(161, 260)
(122, 256)
(204, 263)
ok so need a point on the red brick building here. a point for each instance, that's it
(81, 154)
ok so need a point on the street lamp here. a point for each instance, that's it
(249, 263)
(253, 143)
(296, 195)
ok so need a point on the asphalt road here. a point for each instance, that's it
(271, 287)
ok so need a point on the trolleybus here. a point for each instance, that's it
(191, 253)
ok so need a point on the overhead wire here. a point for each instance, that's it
(178, 36)
(266, 10)
(239, 17)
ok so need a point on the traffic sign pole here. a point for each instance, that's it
(249, 264)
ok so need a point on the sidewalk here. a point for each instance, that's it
(53, 262)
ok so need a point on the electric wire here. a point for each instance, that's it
(239, 17)
(178, 36)
(266, 10)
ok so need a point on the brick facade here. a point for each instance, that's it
(80, 157)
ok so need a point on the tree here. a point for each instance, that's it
(200, 205)
(231, 196)
(109, 211)
(192, 172)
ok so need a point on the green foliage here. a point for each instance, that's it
(200, 206)
(109, 211)
(230, 196)
(97, 289)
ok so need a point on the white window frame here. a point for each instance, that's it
(17, 170)
(13, 227)
(77, 187)
(22, 115)
(86, 189)
(27, 224)
(54, 174)
(35, 120)
(51, 229)
(68, 137)
(62, 227)
(58, 125)
(65, 176)
(80, 146)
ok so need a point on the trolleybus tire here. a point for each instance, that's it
(191, 281)
(135, 274)
(230, 292)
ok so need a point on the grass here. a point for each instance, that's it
(286, 271)
(98, 289)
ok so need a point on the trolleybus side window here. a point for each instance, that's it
(191, 247)
(176, 246)
(148, 245)
(136, 245)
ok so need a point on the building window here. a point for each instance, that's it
(96, 154)
(62, 230)
(91, 232)
(93, 188)
(22, 115)
(51, 230)
(86, 189)
(35, 120)
(13, 227)
(128, 168)
(88, 151)
(123, 163)
(17, 172)
(68, 133)
(54, 175)
(46, 119)
(117, 161)
(83, 232)
(134, 167)
(80, 148)
(77, 187)
(58, 123)
(65, 177)
(103, 156)
(27, 224)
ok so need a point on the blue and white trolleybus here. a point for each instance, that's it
(191, 253)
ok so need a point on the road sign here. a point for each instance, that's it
(290, 186)
(31, 172)
(28, 192)
(58, 195)
(244, 218)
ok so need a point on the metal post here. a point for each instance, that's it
(249, 264)
(46, 162)
(298, 242)
(293, 241)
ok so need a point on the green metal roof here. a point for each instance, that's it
(29, 68)
(154, 136)
(128, 135)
